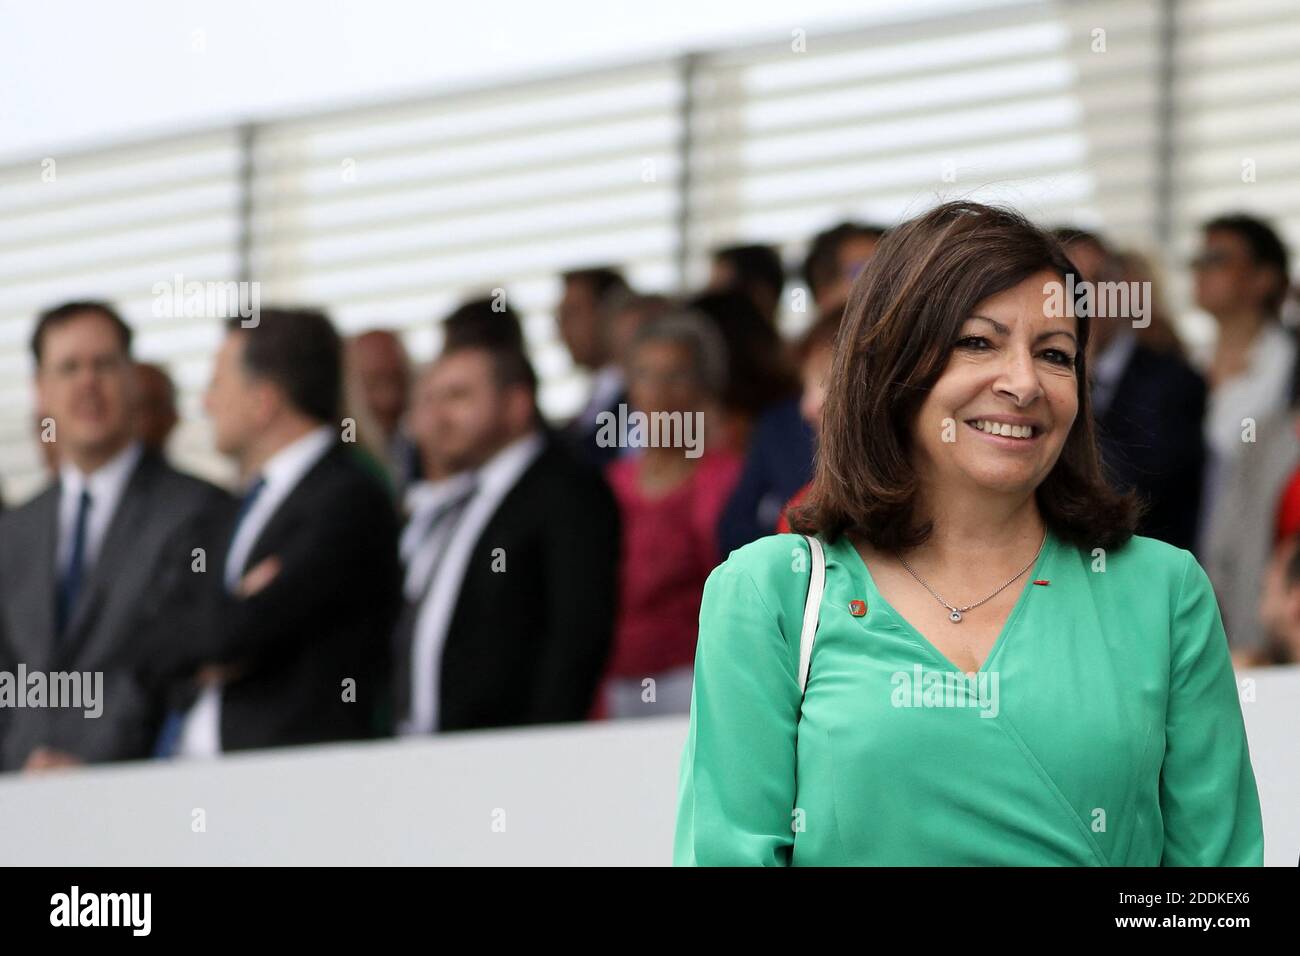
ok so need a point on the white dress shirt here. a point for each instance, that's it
(1259, 389)
(1257, 392)
(201, 733)
(106, 485)
(420, 544)
(607, 385)
(282, 472)
(494, 480)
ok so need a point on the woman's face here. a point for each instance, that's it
(1011, 372)
(661, 377)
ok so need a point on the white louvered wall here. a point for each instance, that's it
(389, 215)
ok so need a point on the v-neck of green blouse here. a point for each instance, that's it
(857, 568)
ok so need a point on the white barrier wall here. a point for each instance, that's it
(594, 794)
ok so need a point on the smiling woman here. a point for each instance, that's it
(967, 529)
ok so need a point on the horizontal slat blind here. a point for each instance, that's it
(1236, 120)
(395, 215)
(112, 225)
(1013, 105)
(391, 214)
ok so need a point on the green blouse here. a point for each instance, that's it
(1104, 728)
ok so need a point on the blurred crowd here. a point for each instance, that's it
(413, 549)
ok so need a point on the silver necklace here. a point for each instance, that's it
(954, 614)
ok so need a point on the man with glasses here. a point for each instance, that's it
(86, 566)
(1241, 279)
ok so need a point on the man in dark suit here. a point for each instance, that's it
(754, 271)
(1149, 406)
(86, 567)
(511, 561)
(778, 463)
(292, 629)
(1148, 402)
(590, 298)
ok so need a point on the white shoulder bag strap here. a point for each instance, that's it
(811, 609)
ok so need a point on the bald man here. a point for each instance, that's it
(380, 363)
(155, 405)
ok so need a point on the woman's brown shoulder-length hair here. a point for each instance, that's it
(903, 317)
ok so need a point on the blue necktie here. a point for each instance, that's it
(249, 499)
(170, 735)
(70, 582)
(245, 506)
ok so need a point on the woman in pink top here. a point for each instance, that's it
(670, 492)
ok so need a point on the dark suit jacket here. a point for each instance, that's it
(779, 462)
(323, 620)
(1152, 441)
(581, 437)
(123, 606)
(528, 645)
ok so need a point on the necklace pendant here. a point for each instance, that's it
(955, 616)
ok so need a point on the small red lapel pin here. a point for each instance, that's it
(858, 608)
(1042, 582)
